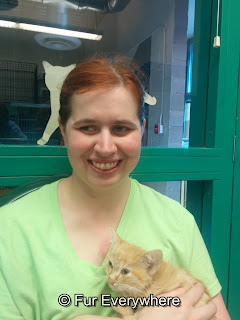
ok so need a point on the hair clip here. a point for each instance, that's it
(149, 99)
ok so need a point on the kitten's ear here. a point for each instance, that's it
(46, 65)
(115, 237)
(151, 260)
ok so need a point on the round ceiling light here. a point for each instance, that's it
(57, 42)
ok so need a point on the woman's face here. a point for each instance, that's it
(103, 136)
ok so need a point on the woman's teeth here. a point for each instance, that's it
(105, 166)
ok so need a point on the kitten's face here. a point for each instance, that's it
(124, 272)
(128, 268)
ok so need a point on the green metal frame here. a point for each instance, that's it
(207, 164)
(219, 211)
(234, 278)
(224, 85)
(25, 164)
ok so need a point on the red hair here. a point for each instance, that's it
(102, 73)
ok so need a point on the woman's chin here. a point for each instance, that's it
(107, 182)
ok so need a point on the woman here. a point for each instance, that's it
(60, 237)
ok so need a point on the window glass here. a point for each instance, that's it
(156, 34)
(173, 189)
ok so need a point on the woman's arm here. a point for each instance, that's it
(222, 313)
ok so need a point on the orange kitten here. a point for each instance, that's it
(135, 272)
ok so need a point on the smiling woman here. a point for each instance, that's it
(102, 122)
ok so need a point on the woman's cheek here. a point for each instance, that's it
(78, 143)
(133, 145)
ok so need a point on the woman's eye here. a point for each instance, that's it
(120, 129)
(88, 129)
(110, 264)
(125, 271)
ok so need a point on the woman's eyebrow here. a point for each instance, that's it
(125, 122)
(83, 121)
(89, 120)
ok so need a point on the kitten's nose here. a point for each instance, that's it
(111, 281)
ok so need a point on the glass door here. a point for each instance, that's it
(157, 35)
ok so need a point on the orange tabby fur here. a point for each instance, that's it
(148, 274)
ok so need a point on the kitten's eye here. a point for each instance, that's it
(125, 271)
(110, 264)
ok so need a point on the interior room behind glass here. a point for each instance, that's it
(154, 33)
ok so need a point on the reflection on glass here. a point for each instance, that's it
(4, 190)
(10, 132)
(156, 34)
(188, 89)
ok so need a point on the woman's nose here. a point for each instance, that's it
(105, 144)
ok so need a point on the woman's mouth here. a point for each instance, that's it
(106, 166)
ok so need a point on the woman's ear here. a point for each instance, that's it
(62, 130)
(143, 127)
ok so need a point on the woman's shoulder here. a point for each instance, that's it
(30, 203)
(149, 196)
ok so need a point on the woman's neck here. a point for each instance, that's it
(100, 203)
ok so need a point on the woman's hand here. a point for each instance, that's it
(186, 311)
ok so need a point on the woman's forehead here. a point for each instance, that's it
(114, 100)
(113, 93)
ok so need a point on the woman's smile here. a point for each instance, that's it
(105, 167)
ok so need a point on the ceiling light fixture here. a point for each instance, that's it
(44, 29)
(57, 42)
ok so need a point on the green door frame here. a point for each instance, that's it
(234, 278)
(207, 165)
